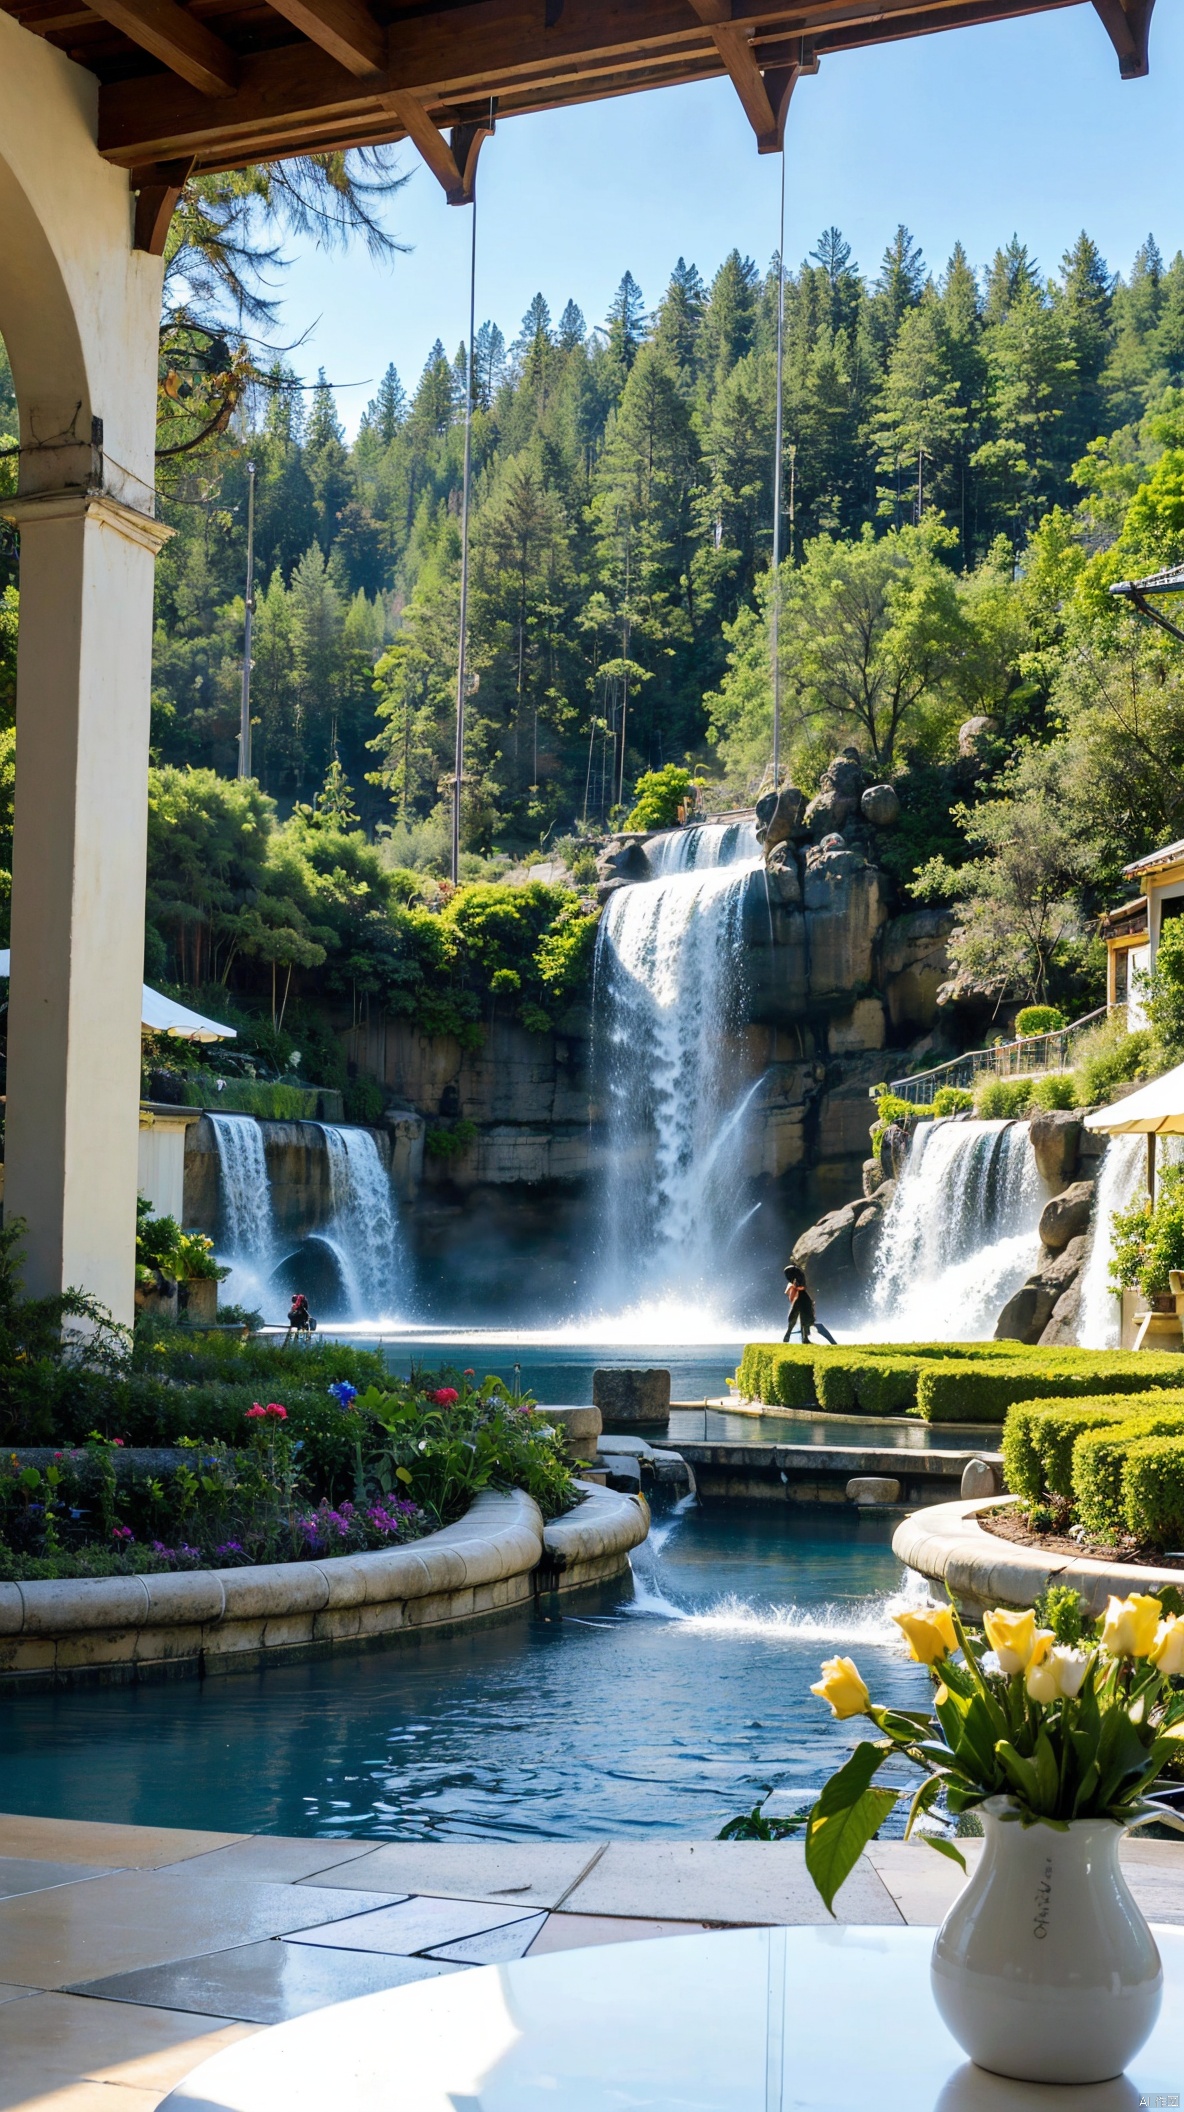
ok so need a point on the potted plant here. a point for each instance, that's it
(1149, 1242)
(1044, 1969)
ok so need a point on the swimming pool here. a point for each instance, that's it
(660, 1705)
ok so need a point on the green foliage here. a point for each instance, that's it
(1002, 1097)
(1056, 1090)
(952, 1100)
(450, 1140)
(1109, 1057)
(443, 1446)
(1062, 1609)
(1164, 997)
(1099, 1460)
(965, 1392)
(1153, 1490)
(1038, 1441)
(364, 1102)
(1148, 1243)
(1039, 1019)
(658, 796)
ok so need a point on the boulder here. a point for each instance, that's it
(1026, 1315)
(894, 1149)
(880, 806)
(1062, 1326)
(1056, 1139)
(843, 776)
(782, 878)
(778, 815)
(1067, 1215)
(823, 1253)
(624, 1396)
(873, 1176)
(865, 1240)
(975, 736)
(1059, 1270)
(827, 812)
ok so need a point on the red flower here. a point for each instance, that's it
(259, 1414)
(445, 1397)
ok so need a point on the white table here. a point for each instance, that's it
(757, 2020)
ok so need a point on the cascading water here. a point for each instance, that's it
(1122, 1180)
(248, 1229)
(362, 1230)
(960, 1233)
(668, 990)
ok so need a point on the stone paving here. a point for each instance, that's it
(128, 1954)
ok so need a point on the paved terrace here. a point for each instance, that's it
(130, 1953)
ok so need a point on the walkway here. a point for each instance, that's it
(128, 1954)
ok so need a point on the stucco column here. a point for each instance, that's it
(83, 691)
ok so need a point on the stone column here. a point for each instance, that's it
(83, 693)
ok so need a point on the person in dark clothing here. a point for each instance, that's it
(300, 1320)
(801, 1307)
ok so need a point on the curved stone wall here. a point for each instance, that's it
(947, 1544)
(203, 1621)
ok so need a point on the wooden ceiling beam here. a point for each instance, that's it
(177, 39)
(344, 28)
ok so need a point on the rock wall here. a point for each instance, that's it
(1045, 1308)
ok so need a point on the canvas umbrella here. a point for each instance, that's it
(1156, 1110)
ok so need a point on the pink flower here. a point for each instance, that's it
(259, 1413)
(445, 1397)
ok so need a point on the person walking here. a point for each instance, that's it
(801, 1307)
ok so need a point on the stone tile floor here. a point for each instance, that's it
(129, 1954)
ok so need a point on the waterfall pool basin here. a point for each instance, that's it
(662, 1703)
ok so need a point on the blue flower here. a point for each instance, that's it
(343, 1393)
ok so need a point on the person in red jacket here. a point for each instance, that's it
(801, 1307)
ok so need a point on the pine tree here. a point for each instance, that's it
(489, 363)
(1013, 276)
(389, 408)
(899, 286)
(573, 330)
(679, 320)
(729, 322)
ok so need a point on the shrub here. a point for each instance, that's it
(965, 1392)
(952, 1100)
(1038, 1019)
(1038, 1440)
(364, 1102)
(450, 1140)
(1110, 1057)
(658, 796)
(1153, 1490)
(1098, 1460)
(1002, 1097)
(1057, 1089)
(1062, 1609)
(1149, 1243)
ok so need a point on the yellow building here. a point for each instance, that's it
(1132, 932)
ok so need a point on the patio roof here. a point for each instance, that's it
(224, 82)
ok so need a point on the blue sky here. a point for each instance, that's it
(1023, 126)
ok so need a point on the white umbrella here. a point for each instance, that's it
(161, 1016)
(1156, 1110)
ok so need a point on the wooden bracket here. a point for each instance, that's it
(780, 82)
(452, 161)
(157, 188)
(764, 95)
(1127, 23)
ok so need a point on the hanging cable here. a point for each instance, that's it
(777, 444)
(470, 363)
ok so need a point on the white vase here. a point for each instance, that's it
(1044, 1969)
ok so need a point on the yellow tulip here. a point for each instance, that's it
(1012, 1637)
(1129, 1629)
(1167, 1651)
(929, 1635)
(842, 1687)
(1054, 1672)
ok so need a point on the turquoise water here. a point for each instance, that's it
(662, 1704)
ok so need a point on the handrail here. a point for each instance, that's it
(1008, 1059)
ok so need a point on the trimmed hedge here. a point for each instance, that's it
(1099, 1460)
(1039, 1436)
(1153, 1490)
(969, 1393)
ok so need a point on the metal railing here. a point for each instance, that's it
(1008, 1059)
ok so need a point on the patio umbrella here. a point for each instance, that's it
(162, 1016)
(1156, 1110)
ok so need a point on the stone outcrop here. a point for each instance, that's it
(838, 1254)
(1067, 1215)
(1026, 1316)
(1056, 1142)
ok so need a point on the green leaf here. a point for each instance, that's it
(1020, 1773)
(852, 1779)
(925, 1797)
(836, 1839)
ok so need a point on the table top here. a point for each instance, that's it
(756, 2020)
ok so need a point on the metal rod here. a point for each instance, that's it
(1151, 1166)
(777, 441)
(459, 774)
(244, 725)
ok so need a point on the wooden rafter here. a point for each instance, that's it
(344, 28)
(157, 190)
(177, 39)
(307, 75)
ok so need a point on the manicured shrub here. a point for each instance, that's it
(1002, 1097)
(1039, 1436)
(1039, 1019)
(965, 1392)
(1153, 1490)
(1099, 1457)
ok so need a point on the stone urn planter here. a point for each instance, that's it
(1045, 1969)
(197, 1299)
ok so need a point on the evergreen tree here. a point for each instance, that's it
(900, 283)
(626, 326)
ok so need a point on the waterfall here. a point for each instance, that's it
(248, 1230)
(960, 1232)
(1122, 1180)
(362, 1230)
(703, 846)
(668, 990)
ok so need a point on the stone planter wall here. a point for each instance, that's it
(199, 1622)
(947, 1544)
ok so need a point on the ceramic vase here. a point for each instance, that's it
(1045, 1969)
